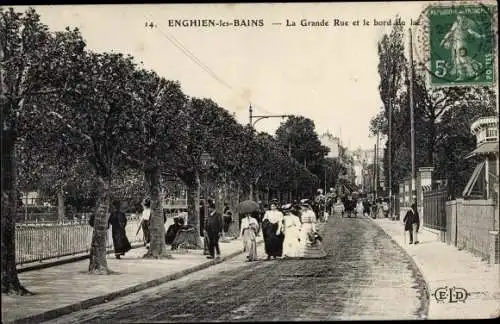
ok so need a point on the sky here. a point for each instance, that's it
(325, 73)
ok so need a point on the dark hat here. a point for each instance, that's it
(274, 202)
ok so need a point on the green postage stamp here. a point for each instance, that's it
(461, 45)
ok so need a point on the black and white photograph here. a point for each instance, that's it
(245, 162)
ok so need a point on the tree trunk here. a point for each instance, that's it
(98, 263)
(250, 194)
(60, 205)
(157, 248)
(432, 144)
(193, 204)
(219, 197)
(10, 279)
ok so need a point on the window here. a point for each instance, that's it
(491, 133)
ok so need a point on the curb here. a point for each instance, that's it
(69, 259)
(425, 304)
(65, 310)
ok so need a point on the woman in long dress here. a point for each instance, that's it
(291, 224)
(118, 221)
(359, 208)
(249, 230)
(310, 246)
(272, 228)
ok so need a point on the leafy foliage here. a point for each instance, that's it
(442, 118)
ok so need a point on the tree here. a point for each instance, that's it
(202, 118)
(158, 126)
(93, 118)
(438, 141)
(454, 139)
(46, 167)
(391, 68)
(299, 135)
(29, 60)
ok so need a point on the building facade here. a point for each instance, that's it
(332, 142)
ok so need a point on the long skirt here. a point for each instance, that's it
(291, 244)
(121, 243)
(145, 231)
(309, 249)
(250, 244)
(273, 243)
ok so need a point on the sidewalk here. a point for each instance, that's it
(443, 265)
(67, 288)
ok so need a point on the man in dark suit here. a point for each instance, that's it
(213, 229)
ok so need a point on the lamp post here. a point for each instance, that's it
(260, 117)
(206, 161)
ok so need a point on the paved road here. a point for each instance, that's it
(365, 276)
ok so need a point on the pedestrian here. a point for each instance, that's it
(227, 218)
(249, 230)
(310, 240)
(146, 214)
(412, 223)
(374, 209)
(213, 230)
(366, 207)
(272, 228)
(339, 207)
(359, 208)
(173, 230)
(291, 224)
(350, 205)
(202, 216)
(118, 222)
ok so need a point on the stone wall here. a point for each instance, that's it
(471, 226)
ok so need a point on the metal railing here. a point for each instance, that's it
(175, 203)
(434, 204)
(39, 242)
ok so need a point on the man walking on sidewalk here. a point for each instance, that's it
(412, 223)
(213, 229)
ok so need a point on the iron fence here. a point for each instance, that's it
(43, 241)
(434, 204)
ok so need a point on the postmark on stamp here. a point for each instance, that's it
(459, 44)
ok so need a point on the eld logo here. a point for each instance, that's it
(450, 295)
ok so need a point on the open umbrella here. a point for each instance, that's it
(248, 206)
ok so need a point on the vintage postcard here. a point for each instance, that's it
(250, 162)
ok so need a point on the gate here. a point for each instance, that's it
(434, 204)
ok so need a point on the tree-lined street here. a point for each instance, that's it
(95, 132)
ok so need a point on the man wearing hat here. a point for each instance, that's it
(412, 223)
(213, 229)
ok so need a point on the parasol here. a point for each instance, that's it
(248, 206)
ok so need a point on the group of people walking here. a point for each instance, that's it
(289, 233)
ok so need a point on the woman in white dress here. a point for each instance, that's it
(291, 224)
(359, 208)
(249, 230)
(310, 242)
